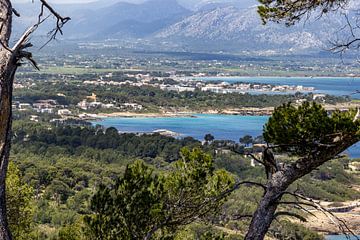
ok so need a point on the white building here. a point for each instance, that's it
(24, 106)
(83, 105)
(34, 118)
(64, 112)
(319, 96)
(109, 105)
(95, 105)
(46, 110)
(133, 106)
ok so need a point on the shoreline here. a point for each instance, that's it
(142, 115)
(238, 112)
(245, 111)
(305, 77)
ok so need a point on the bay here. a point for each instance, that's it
(222, 127)
(225, 127)
(337, 86)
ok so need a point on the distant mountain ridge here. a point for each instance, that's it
(128, 20)
(244, 28)
(213, 25)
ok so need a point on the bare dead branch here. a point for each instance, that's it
(5, 47)
(290, 214)
(60, 21)
(255, 158)
(23, 42)
(28, 56)
(16, 13)
(341, 224)
(237, 185)
(357, 116)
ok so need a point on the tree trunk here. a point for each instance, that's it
(8, 68)
(281, 180)
(5, 143)
(264, 214)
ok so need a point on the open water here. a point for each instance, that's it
(338, 86)
(229, 127)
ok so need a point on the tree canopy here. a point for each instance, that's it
(20, 208)
(143, 204)
(299, 130)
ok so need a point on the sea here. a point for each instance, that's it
(222, 127)
(337, 86)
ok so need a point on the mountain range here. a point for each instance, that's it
(196, 25)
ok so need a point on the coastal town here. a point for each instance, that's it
(190, 84)
(84, 109)
(169, 81)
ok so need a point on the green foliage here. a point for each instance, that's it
(130, 208)
(286, 230)
(208, 137)
(58, 191)
(87, 141)
(247, 140)
(232, 163)
(142, 203)
(299, 130)
(70, 232)
(20, 210)
(202, 231)
(64, 177)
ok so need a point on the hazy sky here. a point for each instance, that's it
(58, 1)
(184, 2)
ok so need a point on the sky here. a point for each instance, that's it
(186, 3)
(58, 1)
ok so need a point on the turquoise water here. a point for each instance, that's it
(338, 86)
(340, 237)
(229, 127)
(221, 126)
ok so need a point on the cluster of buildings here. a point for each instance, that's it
(26, 83)
(91, 102)
(225, 87)
(183, 84)
(49, 106)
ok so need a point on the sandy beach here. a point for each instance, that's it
(244, 111)
(143, 115)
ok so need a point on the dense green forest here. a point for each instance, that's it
(64, 166)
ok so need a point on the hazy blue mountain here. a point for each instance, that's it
(199, 4)
(127, 19)
(120, 19)
(227, 27)
(211, 25)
